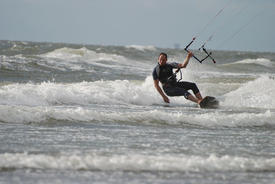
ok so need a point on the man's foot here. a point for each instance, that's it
(199, 101)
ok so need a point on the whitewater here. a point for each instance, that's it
(90, 114)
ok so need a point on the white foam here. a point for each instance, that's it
(84, 53)
(24, 103)
(73, 58)
(99, 92)
(142, 47)
(157, 116)
(136, 162)
(259, 61)
(258, 93)
(17, 62)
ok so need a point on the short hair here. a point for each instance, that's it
(162, 53)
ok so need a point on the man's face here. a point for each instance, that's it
(162, 60)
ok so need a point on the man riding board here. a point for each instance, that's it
(163, 73)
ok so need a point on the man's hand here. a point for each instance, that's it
(166, 99)
(190, 54)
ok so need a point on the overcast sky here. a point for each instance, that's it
(160, 23)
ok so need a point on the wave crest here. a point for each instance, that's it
(136, 162)
(258, 93)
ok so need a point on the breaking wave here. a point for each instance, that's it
(258, 93)
(135, 162)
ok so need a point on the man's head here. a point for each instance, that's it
(162, 58)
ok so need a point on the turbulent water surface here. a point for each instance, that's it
(90, 114)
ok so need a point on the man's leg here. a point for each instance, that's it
(181, 89)
(198, 95)
(191, 86)
(193, 99)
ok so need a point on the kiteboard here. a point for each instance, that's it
(209, 102)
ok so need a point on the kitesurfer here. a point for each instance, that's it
(163, 73)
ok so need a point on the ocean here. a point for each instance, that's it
(76, 113)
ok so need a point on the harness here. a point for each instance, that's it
(166, 75)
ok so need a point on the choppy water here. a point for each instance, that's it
(90, 114)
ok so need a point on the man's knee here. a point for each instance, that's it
(186, 94)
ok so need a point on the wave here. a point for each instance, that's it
(260, 61)
(183, 116)
(142, 48)
(260, 65)
(70, 53)
(16, 63)
(71, 58)
(114, 101)
(83, 58)
(71, 65)
(75, 58)
(258, 93)
(136, 162)
(84, 93)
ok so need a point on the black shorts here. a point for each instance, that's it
(180, 89)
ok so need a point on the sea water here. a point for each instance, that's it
(90, 114)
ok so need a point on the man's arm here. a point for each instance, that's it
(186, 61)
(165, 98)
